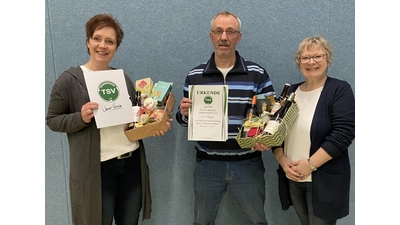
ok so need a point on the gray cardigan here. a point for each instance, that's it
(68, 95)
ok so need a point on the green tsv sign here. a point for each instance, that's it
(108, 91)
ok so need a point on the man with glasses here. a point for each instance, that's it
(220, 165)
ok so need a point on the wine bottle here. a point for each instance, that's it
(271, 99)
(282, 111)
(136, 109)
(273, 124)
(264, 115)
(281, 99)
(252, 111)
(275, 107)
(264, 109)
(138, 100)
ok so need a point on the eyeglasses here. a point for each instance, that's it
(316, 58)
(229, 33)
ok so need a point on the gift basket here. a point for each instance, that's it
(269, 127)
(152, 109)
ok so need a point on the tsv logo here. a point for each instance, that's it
(108, 91)
(208, 100)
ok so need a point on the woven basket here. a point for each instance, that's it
(277, 138)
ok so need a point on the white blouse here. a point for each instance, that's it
(298, 143)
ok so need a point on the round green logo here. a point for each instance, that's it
(108, 91)
(208, 99)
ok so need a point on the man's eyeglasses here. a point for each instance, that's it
(229, 33)
(316, 58)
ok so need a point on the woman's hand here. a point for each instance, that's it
(161, 132)
(302, 168)
(87, 111)
(290, 168)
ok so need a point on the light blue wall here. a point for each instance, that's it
(164, 40)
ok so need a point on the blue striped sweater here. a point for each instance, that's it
(244, 80)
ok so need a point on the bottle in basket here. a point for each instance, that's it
(252, 111)
(280, 101)
(284, 94)
(135, 110)
(273, 124)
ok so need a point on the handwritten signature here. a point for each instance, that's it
(111, 108)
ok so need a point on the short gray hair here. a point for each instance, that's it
(226, 13)
(312, 42)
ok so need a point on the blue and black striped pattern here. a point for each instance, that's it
(244, 80)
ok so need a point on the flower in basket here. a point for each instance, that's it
(157, 114)
(149, 105)
(149, 112)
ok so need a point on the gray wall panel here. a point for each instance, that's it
(56, 196)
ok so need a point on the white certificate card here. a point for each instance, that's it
(208, 115)
(108, 89)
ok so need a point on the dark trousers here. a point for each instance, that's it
(121, 190)
(301, 194)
